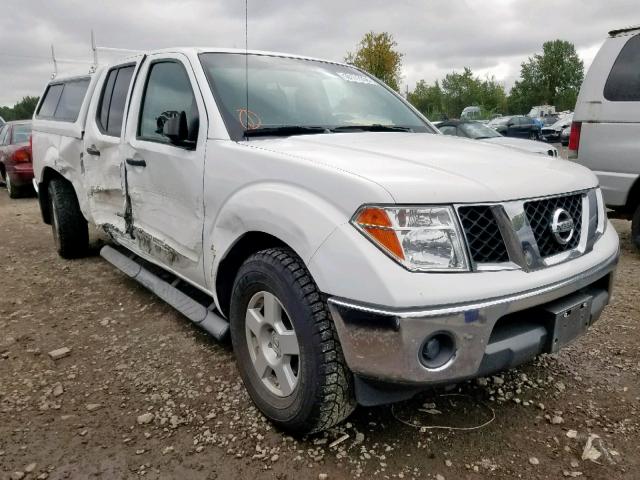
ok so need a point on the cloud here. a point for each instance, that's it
(491, 37)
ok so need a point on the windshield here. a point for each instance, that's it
(478, 131)
(566, 120)
(21, 133)
(289, 92)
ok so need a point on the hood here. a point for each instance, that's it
(532, 146)
(433, 168)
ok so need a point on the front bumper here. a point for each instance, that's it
(385, 345)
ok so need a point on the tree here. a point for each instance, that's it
(377, 55)
(22, 110)
(458, 90)
(553, 77)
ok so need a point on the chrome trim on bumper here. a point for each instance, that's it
(392, 354)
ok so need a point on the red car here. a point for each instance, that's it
(16, 169)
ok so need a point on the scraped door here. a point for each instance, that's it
(164, 180)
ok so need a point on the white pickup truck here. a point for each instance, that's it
(354, 253)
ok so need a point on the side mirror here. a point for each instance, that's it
(175, 128)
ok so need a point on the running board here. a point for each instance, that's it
(199, 314)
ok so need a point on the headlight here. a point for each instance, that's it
(602, 212)
(419, 238)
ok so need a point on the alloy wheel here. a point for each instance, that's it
(273, 344)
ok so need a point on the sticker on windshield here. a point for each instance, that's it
(354, 77)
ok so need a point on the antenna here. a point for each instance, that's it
(246, 63)
(55, 64)
(94, 49)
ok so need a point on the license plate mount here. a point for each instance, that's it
(572, 317)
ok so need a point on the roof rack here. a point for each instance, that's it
(93, 66)
(618, 31)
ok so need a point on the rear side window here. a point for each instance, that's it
(623, 84)
(50, 101)
(62, 101)
(113, 99)
(71, 100)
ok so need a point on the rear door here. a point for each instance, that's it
(165, 180)
(102, 155)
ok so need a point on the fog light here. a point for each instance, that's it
(437, 350)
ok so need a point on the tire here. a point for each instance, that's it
(635, 228)
(70, 229)
(14, 191)
(323, 392)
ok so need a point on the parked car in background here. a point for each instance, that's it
(564, 136)
(471, 113)
(540, 111)
(605, 133)
(16, 168)
(479, 131)
(552, 132)
(519, 126)
(352, 252)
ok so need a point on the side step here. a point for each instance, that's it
(189, 307)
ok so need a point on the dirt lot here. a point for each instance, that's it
(82, 416)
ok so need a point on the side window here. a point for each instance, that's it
(623, 84)
(167, 94)
(3, 135)
(50, 101)
(71, 100)
(113, 99)
(448, 130)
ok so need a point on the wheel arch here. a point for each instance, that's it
(48, 174)
(245, 246)
(633, 198)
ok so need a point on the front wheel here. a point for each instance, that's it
(286, 345)
(635, 228)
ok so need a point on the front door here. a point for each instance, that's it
(164, 179)
(102, 166)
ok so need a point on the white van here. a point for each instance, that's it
(605, 133)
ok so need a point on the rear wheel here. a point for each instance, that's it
(70, 229)
(14, 191)
(635, 228)
(286, 346)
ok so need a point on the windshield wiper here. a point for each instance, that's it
(284, 130)
(376, 127)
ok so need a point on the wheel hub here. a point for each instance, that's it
(273, 344)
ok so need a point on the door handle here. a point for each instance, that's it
(136, 163)
(92, 150)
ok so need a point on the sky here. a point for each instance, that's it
(492, 37)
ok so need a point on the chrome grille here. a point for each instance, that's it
(540, 215)
(484, 239)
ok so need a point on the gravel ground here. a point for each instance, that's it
(141, 392)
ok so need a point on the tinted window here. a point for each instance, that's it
(623, 84)
(448, 129)
(50, 102)
(114, 97)
(71, 100)
(21, 133)
(3, 134)
(167, 93)
(105, 100)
